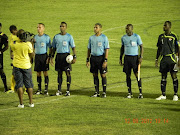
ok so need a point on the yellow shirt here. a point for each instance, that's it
(21, 52)
(13, 39)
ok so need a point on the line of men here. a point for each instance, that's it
(97, 57)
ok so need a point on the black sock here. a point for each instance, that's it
(128, 81)
(60, 79)
(39, 80)
(68, 82)
(163, 86)
(3, 77)
(175, 84)
(104, 83)
(139, 85)
(96, 84)
(46, 82)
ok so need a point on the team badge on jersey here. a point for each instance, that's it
(64, 43)
(42, 44)
(99, 43)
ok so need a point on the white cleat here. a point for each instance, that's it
(20, 106)
(129, 95)
(161, 97)
(175, 98)
(31, 105)
(58, 93)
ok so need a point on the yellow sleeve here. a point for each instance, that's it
(30, 48)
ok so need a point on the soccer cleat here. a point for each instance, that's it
(104, 95)
(175, 98)
(161, 97)
(20, 106)
(129, 95)
(140, 96)
(10, 91)
(46, 93)
(38, 92)
(67, 93)
(58, 93)
(96, 95)
(31, 105)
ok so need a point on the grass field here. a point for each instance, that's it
(79, 114)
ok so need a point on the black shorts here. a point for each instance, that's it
(1, 61)
(167, 64)
(96, 64)
(130, 62)
(61, 64)
(40, 62)
(23, 77)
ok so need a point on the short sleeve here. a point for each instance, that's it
(139, 41)
(49, 42)
(54, 42)
(72, 44)
(89, 43)
(106, 43)
(30, 48)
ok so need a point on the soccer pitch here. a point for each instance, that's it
(79, 114)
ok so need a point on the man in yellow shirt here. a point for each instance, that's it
(12, 40)
(23, 53)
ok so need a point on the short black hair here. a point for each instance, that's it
(0, 24)
(12, 27)
(100, 25)
(42, 24)
(130, 25)
(168, 23)
(64, 23)
(21, 35)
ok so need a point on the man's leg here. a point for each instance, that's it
(139, 86)
(30, 94)
(163, 86)
(175, 84)
(68, 74)
(39, 80)
(46, 81)
(60, 80)
(3, 77)
(20, 95)
(104, 84)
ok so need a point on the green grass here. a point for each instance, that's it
(79, 114)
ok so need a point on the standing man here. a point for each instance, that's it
(98, 48)
(130, 44)
(62, 43)
(3, 41)
(23, 53)
(12, 40)
(41, 45)
(168, 49)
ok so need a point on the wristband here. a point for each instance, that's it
(105, 59)
(74, 56)
(87, 60)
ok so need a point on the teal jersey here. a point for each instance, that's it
(63, 43)
(98, 44)
(131, 44)
(42, 43)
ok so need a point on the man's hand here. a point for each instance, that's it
(73, 61)
(87, 64)
(48, 60)
(156, 63)
(51, 61)
(140, 60)
(120, 62)
(104, 64)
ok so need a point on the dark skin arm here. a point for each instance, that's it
(88, 55)
(157, 56)
(141, 53)
(74, 53)
(106, 57)
(53, 51)
(121, 55)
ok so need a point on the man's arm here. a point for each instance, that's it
(53, 50)
(74, 55)
(88, 55)
(141, 53)
(105, 58)
(121, 55)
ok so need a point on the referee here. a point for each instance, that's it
(168, 50)
(41, 45)
(62, 43)
(98, 48)
(3, 41)
(130, 44)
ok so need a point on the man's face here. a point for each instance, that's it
(63, 27)
(14, 32)
(97, 29)
(40, 28)
(129, 30)
(166, 26)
